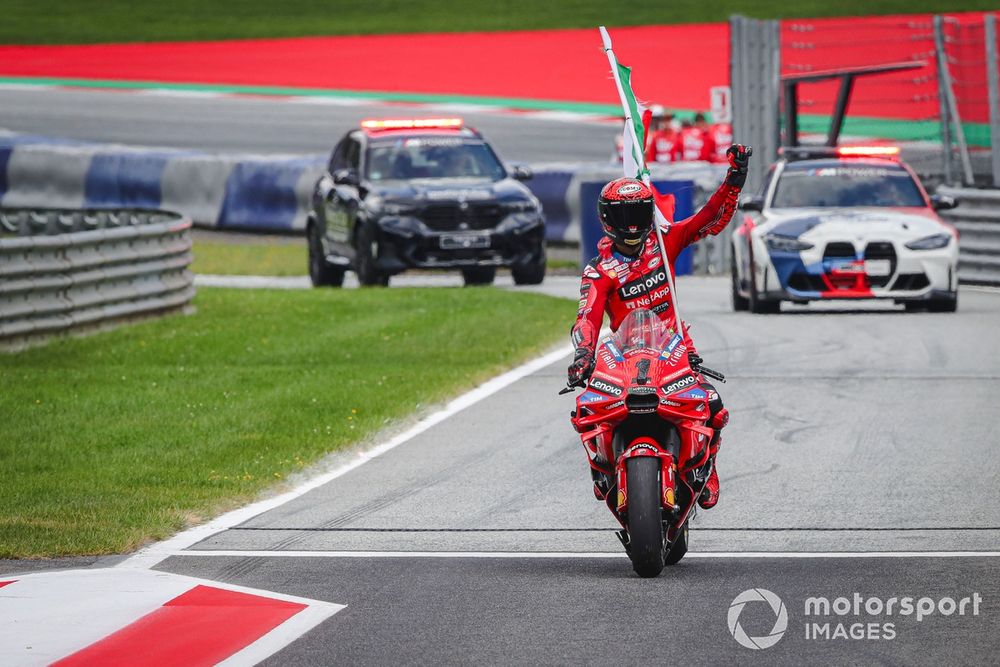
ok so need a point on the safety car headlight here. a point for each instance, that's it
(785, 243)
(932, 242)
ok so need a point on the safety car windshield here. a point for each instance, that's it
(642, 329)
(432, 157)
(846, 185)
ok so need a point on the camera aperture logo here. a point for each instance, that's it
(780, 618)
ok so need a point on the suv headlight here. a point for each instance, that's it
(522, 206)
(785, 243)
(932, 242)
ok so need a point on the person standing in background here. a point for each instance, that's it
(694, 142)
(722, 136)
(662, 136)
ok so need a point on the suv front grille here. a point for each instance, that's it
(451, 217)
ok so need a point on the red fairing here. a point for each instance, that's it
(617, 285)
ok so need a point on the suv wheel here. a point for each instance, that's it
(321, 272)
(365, 266)
(479, 275)
(529, 274)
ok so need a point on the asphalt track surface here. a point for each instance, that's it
(854, 430)
(228, 124)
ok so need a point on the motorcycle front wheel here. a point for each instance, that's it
(645, 526)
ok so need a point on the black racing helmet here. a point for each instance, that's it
(625, 208)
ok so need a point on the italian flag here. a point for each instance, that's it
(637, 120)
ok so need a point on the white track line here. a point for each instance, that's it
(155, 553)
(582, 555)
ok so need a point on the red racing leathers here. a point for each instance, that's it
(616, 284)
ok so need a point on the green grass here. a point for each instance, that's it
(250, 258)
(88, 21)
(113, 440)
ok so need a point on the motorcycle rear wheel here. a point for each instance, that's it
(645, 525)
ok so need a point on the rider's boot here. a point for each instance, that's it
(710, 494)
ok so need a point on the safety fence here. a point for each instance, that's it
(944, 110)
(69, 271)
(977, 219)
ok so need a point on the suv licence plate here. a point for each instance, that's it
(464, 241)
(878, 267)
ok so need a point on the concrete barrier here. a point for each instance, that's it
(73, 270)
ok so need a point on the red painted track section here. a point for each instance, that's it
(201, 627)
(674, 65)
(4, 583)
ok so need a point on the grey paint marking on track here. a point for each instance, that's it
(260, 125)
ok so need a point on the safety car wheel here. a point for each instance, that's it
(479, 275)
(321, 272)
(740, 302)
(368, 273)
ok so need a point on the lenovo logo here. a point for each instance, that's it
(605, 387)
(643, 285)
(686, 381)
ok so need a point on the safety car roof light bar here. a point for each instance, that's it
(847, 76)
(412, 123)
(806, 152)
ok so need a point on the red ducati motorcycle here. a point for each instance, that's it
(643, 420)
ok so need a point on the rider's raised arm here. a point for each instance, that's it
(721, 206)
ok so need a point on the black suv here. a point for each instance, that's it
(430, 194)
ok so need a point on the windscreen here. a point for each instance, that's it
(844, 184)
(432, 157)
(642, 329)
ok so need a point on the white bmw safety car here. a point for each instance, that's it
(844, 223)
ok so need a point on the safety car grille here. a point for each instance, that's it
(881, 250)
(451, 217)
(910, 281)
(839, 249)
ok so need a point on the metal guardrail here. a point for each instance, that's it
(64, 270)
(977, 219)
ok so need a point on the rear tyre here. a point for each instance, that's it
(740, 303)
(321, 272)
(645, 524)
(945, 305)
(479, 275)
(365, 264)
(679, 547)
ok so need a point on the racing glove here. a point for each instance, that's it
(739, 163)
(581, 368)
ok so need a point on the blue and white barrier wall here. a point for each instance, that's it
(248, 191)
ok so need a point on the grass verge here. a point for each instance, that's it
(91, 21)
(110, 441)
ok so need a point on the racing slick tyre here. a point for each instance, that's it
(479, 275)
(365, 266)
(739, 302)
(321, 272)
(679, 547)
(645, 525)
(945, 305)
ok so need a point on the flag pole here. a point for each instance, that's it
(658, 218)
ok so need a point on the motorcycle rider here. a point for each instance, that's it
(628, 274)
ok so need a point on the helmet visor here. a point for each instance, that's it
(631, 220)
